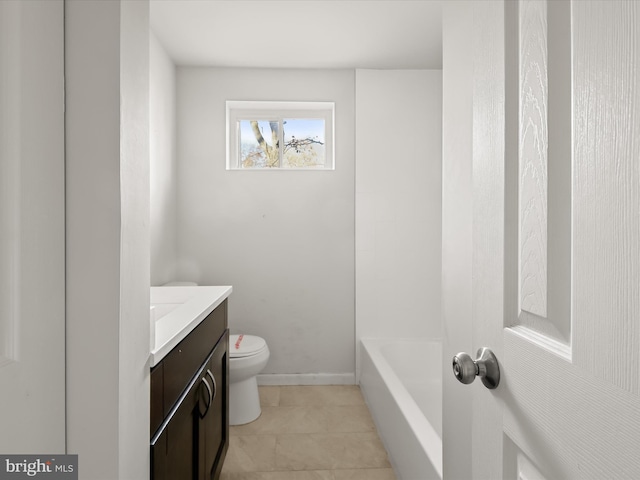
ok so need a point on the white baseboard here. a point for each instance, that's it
(307, 379)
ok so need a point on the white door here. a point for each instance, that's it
(32, 329)
(556, 239)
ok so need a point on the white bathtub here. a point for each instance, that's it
(401, 381)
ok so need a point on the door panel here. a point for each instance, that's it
(538, 97)
(533, 150)
(556, 232)
(32, 277)
(569, 423)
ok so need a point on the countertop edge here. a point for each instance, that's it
(208, 306)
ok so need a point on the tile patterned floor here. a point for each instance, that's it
(308, 433)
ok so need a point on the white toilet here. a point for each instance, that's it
(248, 355)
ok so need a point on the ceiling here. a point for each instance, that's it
(380, 34)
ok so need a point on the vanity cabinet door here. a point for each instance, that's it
(174, 453)
(214, 427)
(193, 443)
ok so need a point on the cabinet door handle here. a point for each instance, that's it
(206, 384)
(213, 380)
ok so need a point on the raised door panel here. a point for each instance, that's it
(533, 153)
(538, 85)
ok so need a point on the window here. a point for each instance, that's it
(280, 135)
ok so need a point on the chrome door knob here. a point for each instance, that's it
(485, 366)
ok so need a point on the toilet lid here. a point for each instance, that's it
(245, 345)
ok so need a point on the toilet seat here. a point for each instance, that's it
(245, 345)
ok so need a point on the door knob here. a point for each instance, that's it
(484, 366)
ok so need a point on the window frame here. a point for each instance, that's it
(237, 110)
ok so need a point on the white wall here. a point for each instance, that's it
(162, 152)
(398, 203)
(107, 237)
(457, 220)
(284, 240)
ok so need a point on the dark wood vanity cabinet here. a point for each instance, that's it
(190, 404)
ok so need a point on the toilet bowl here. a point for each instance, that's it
(248, 355)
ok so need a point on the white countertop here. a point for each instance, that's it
(176, 311)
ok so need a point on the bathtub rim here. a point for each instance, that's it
(421, 427)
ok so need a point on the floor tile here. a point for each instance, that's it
(355, 450)
(281, 475)
(250, 453)
(302, 452)
(308, 433)
(269, 396)
(365, 474)
(321, 451)
(321, 395)
(349, 419)
(294, 419)
(309, 419)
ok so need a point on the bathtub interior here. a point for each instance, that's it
(418, 364)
